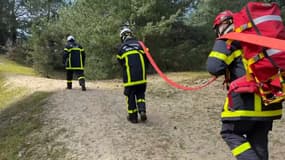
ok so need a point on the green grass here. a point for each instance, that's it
(20, 117)
(8, 66)
(8, 94)
(17, 122)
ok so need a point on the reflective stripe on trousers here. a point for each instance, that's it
(248, 140)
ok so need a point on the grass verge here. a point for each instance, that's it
(20, 118)
(17, 122)
(8, 93)
(8, 66)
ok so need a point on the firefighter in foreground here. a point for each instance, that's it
(74, 61)
(134, 63)
(247, 122)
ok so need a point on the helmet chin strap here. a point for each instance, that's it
(227, 29)
(124, 38)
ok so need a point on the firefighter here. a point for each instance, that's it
(247, 122)
(134, 63)
(74, 61)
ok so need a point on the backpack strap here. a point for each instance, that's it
(251, 21)
(256, 58)
(259, 33)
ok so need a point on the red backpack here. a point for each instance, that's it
(265, 67)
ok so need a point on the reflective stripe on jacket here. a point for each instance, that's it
(133, 60)
(245, 106)
(74, 57)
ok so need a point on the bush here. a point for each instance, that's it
(47, 50)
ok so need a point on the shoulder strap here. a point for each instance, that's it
(259, 33)
(251, 20)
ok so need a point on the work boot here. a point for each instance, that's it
(143, 116)
(69, 86)
(82, 84)
(142, 111)
(83, 88)
(133, 117)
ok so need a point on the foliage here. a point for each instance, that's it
(208, 9)
(8, 23)
(47, 49)
(96, 29)
(17, 18)
(178, 32)
(204, 14)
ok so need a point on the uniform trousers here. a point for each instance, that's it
(135, 98)
(78, 73)
(248, 140)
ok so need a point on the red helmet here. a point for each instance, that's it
(223, 17)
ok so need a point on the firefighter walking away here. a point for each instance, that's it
(134, 63)
(74, 61)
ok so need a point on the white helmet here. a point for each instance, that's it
(70, 38)
(125, 33)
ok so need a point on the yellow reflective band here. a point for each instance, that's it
(74, 68)
(127, 99)
(81, 78)
(140, 100)
(81, 62)
(234, 55)
(143, 66)
(227, 59)
(246, 113)
(226, 105)
(69, 81)
(257, 103)
(129, 53)
(69, 59)
(69, 62)
(129, 80)
(218, 55)
(134, 83)
(128, 70)
(240, 149)
(133, 111)
(73, 49)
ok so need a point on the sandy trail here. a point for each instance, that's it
(92, 125)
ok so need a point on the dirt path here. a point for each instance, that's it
(92, 125)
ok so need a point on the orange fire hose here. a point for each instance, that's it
(256, 39)
(169, 81)
(249, 38)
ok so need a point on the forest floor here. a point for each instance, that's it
(92, 125)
